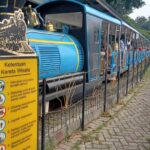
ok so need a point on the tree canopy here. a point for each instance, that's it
(124, 7)
(143, 22)
(139, 26)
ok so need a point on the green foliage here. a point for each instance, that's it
(140, 20)
(143, 22)
(50, 144)
(125, 6)
(137, 26)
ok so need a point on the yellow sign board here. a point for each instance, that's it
(18, 103)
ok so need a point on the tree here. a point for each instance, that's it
(143, 22)
(144, 31)
(124, 7)
(140, 20)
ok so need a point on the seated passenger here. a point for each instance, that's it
(140, 48)
(104, 49)
(116, 46)
(122, 44)
(134, 44)
(65, 29)
(123, 49)
(128, 44)
(110, 50)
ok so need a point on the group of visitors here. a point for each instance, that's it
(125, 45)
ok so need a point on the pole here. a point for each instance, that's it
(133, 69)
(83, 102)
(137, 67)
(118, 72)
(118, 87)
(43, 116)
(128, 61)
(140, 69)
(128, 72)
(144, 64)
(106, 68)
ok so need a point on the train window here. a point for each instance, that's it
(134, 41)
(17, 3)
(73, 20)
(117, 38)
(139, 45)
(38, 1)
(96, 35)
(94, 44)
(3, 3)
(104, 36)
(112, 37)
(128, 38)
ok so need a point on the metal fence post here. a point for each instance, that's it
(137, 71)
(118, 85)
(133, 68)
(43, 116)
(105, 89)
(128, 72)
(106, 68)
(119, 68)
(83, 102)
(144, 66)
(141, 70)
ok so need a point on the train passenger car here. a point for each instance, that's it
(134, 49)
(70, 37)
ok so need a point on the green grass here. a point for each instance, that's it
(50, 145)
(147, 74)
(76, 146)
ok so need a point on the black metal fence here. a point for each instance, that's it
(79, 112)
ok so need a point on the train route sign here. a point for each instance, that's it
(18, 103)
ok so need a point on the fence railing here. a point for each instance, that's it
(53, 121)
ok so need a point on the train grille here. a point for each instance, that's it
(49, 60)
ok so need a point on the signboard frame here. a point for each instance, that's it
(13, 57)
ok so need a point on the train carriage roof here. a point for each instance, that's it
(87, 9)
(38, 1)
(128, 26)
(102, 15)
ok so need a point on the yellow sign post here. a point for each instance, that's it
(18, 103)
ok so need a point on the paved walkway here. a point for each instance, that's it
(129, 129)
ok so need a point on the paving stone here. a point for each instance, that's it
(63, 146)
(141, 147)
(123, 142)
(118, 145)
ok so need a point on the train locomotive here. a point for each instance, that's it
(58, 53)
(79, 19)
